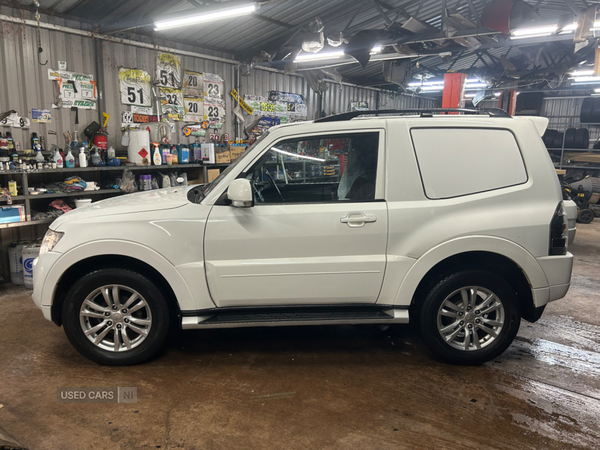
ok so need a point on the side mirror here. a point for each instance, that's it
(240, 193)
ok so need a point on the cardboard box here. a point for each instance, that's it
(212, 174)
(12, 214)
(222, 155)
(236, 150)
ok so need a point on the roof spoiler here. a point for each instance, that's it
(541, 123)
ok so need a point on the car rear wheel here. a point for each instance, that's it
(115, 317)
(470, 317)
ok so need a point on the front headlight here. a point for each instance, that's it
(50, 240)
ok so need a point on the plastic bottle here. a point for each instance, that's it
(43, 143)
(15, 257)
(156, 157)
(11, 141)
(174, 155)
(184, 155)
(58, 159)
(30, 252)
(38, 154)
(69, 160)
(165, 152)
(75, 141)
(111, 152)
(35, 141)
(82, 158)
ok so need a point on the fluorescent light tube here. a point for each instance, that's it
(475, 85)
(530, 36)
(496, 94)
(582, 73)
(318, 56)
(534, 31)
(569, 27)
(591, 79)
(204, 17)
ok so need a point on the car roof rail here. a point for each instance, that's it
(491, 112)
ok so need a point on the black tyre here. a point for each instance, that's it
(595, 115)
(585, 216)
(548, 138)
(586, 110)
(470, 317)
(570, 138)
(582, 138)
(558, 140)
(115, 317)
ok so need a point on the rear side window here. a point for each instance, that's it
(463, 161)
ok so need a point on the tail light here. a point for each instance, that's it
(558, 231)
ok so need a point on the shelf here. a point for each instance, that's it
(26, 224)
(76, 194)
(111, 168)
(14, 197)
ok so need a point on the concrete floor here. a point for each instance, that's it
(315, 387)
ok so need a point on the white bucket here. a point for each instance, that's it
(139, 140)
(81, 202)
(30, 252)
(15, 258)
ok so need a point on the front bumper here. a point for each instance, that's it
(558, 273)
(43, 294)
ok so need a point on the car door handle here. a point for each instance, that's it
(358, 219)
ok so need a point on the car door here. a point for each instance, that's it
(317, 232)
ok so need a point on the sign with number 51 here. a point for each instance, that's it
(135, 87)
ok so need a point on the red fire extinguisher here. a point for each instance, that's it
(101, 139)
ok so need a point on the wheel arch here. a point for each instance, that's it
(112, 254)
(505, 258)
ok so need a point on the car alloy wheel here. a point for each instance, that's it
(115, 318)
(470, 318)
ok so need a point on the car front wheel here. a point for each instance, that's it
(470, 317)
(115, 317)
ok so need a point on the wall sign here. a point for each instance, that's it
(172, 103)
(135, 87)
(75, 89)
(194, 109)
(193, 84)
(168, 70)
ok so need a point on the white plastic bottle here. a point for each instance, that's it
(58, 159)
(82, 158)
(69, 160)
(111, 152)
(156, 157)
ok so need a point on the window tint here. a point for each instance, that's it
(329, 168)
(462, 161)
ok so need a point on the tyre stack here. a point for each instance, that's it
(573, 138)
(590, 110)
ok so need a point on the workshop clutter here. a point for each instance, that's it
(21, 256)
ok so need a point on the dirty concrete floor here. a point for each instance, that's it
(315, 387)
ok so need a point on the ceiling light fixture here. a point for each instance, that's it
(535, 31)
(569, 27)
(241, 10)
(582, 73)
(307, 57)
(527, 36)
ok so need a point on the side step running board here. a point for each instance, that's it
(297, 316)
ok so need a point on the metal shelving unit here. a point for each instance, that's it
(27, 197)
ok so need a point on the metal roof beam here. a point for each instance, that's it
(271, 20)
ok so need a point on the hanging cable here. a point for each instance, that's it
(39, 33)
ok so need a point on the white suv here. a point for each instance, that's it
(454, 221)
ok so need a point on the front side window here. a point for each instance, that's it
(329, 168)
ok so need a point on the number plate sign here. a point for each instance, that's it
(194, 109)
(214, 112)
(172, 103)
(213, 86)
(135, 87)
(168, 70)
(193, 84)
